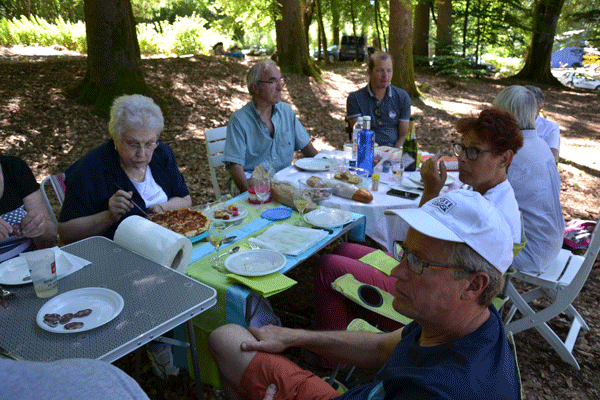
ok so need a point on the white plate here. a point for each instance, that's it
(105, 304)
(211, 214)
(328, 217)
(314, 164)
(13, 271)
(416, 178)
(255, 262)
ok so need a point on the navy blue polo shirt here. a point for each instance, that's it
(385, 117)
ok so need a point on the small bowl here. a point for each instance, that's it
(252, 198)
(316, 194)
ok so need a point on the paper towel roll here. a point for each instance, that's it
(154, 242)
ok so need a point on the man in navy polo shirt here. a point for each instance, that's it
(387, 105)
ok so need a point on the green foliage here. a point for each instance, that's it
(30, 31)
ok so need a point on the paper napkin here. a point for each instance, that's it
(381, 261)
(267, 285)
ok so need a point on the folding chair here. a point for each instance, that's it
(58, 184)
(561, 283)
(215, 143)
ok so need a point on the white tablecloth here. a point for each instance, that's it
(384, 229)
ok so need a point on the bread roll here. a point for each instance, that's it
(363, 195)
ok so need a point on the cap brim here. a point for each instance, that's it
(426, 224)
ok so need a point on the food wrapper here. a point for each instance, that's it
(283, 192)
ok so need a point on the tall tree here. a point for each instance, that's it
(443, 45)
(401, 46)
(537, 61)
(292, 48)
(421, 32)
(322, 36)
(113, 54)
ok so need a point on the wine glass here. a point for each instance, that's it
(215, 237)
(261, 189)
(301, 198)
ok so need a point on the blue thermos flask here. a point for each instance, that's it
(366, 146)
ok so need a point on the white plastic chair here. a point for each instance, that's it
(215, 143)
(561, 283)
(58, 184)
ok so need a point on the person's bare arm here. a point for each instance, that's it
(363, 349)
(93, 225)
(38, 223)
(309, 150)
(239, 177)
(174, 203)
(402, 132)
(555, 153)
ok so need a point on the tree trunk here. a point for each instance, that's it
(292, 47)
(401, 46)
(322, 37)
(537, 61)
(421, 32)
(465, 27)
(376, 15)
(335, 22)
(308, 12)
(443, 44)
(354, 29)
(113, 55)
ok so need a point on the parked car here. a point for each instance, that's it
(349, 46)
(334, 53)
(579, 80)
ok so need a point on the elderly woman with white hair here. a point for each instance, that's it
(536, 182)
(133, 166)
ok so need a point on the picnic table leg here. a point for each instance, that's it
(195, 363)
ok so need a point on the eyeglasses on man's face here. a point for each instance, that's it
(471, 152)
(274, 82)
(415, 264)
(378, 116)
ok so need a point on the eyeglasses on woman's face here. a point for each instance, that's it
(471, 152)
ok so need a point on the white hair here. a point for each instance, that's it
(253, 77)
(521, 103)
(134, 112)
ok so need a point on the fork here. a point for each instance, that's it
(8, 354)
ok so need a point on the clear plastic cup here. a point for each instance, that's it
(43, 272)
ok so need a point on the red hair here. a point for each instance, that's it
(494, 126)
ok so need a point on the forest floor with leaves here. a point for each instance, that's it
(41, 124)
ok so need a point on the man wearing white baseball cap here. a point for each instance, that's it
(450, 269)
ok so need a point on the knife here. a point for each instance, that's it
(133, 202)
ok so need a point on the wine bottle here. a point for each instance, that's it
(409, 149)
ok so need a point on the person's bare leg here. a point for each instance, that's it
(224, 344)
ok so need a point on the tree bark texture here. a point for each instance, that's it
(421, 29)
(537, 62)
(292, 47)
(113, 54)
(401, 49)
(443, 44)
(335, 21)
(307, 16)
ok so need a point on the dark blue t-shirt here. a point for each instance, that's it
(478, 366)
(91, 182)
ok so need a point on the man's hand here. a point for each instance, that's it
(270, 392)
(433, 179)
(119, 204)
(5, 229)
(269, 338)
(33, 224)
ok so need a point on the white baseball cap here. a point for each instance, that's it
(464, 216)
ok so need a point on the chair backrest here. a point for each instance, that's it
(517, 247)
(59, 186)
(578, 268)
(215, 143)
